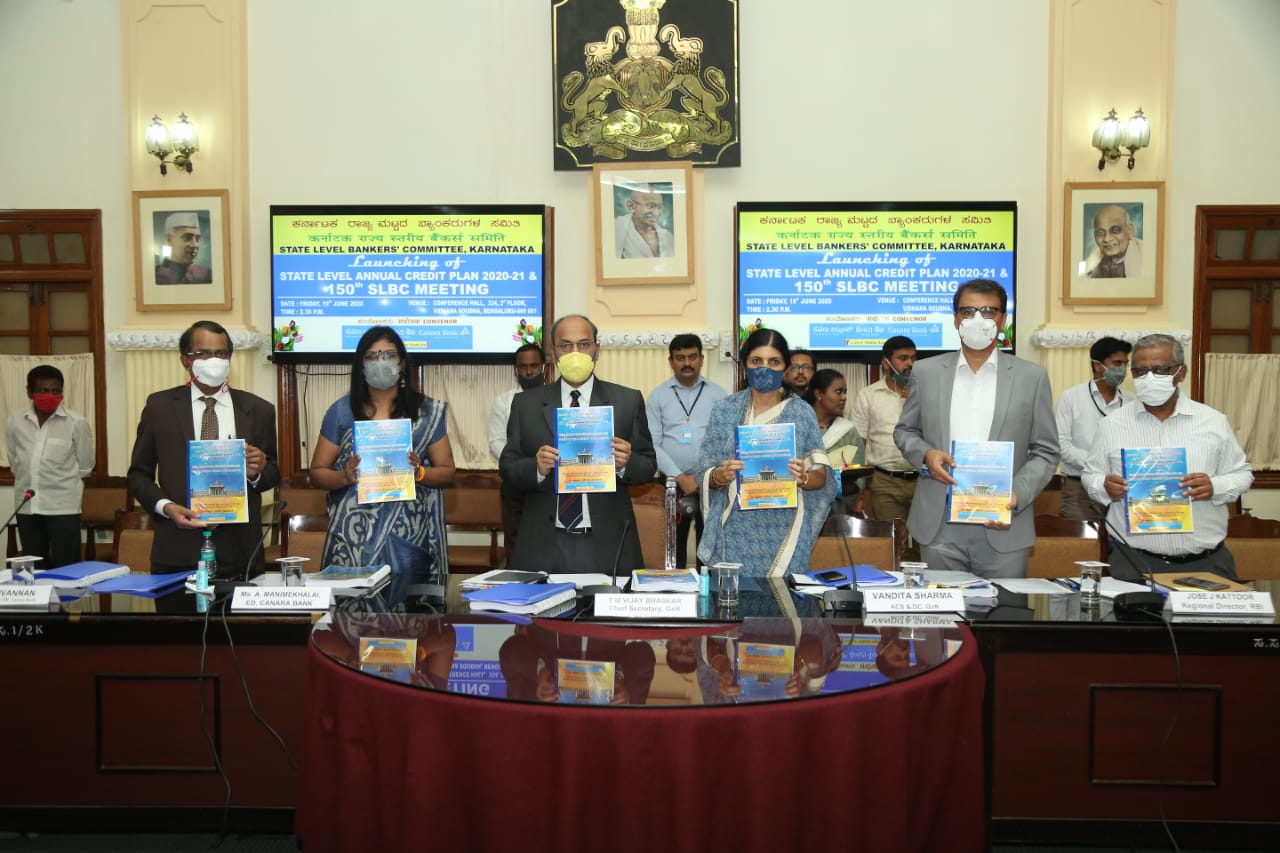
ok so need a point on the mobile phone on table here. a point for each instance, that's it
(1201, 583)
(831, 576)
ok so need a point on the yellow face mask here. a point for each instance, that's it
(576, 367)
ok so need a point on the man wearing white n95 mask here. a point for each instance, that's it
(1218, 471)
(205, 408)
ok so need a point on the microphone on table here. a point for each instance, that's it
(599, 588)
(1147, 603)
(26, 499)
(226, 586)
(848, 601)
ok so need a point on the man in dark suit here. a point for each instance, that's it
(206, 407)
(977, 394)
(556, 533)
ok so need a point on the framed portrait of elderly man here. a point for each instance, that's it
(643, 215)
(1113, 244)
(183, 249)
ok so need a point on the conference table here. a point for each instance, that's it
(782, 732)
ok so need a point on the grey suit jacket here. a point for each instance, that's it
(164, 429)
(1023, 415)
(531, 425)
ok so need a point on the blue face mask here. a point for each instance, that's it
(764, 379)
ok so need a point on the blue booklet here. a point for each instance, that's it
(841, 576)
(584, 437)
(148, 586)
(86, 573)
(1154, 502)
(766, 451)
(385, 473)
(984, 482)
(217, 483)
(521, 597)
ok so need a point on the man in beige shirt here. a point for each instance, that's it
(875, 414)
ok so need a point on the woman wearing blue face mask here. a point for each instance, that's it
(770, 542)
(407, 534)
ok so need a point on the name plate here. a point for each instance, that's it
(908, 620)
(648, 605)
(913, 600)
(27, 595)
(275, 599)
(1223, 603)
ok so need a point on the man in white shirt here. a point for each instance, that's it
(875, 414)
(529, 374)
(1079, 411)
(977, 394)
(50, 452)
(678, 411)
(1218, 471)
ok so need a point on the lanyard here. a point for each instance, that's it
(1093, 389)
(688, 410)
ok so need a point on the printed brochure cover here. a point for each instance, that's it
(765, 481)
(1154, 502)
(392, 658)
(984, 482)
(584, 437)
(217, 485)
(585, 682)
(763, 670)
(385, 473)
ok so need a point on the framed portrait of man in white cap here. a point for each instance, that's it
(183, 250)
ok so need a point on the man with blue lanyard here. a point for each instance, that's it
(678, 410)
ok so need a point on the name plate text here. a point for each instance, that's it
(276, 599)
(648, 605)
(1223, 603)
(27, 595)
(913, 600)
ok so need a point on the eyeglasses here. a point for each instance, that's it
(802, 368)
(205, 353)
(1157, 369)
(969, 312)
(382, 355)
(570, 346)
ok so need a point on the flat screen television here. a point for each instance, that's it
(461, 284)
(839, 278)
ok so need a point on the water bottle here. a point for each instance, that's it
(669, 559)
(208, 564)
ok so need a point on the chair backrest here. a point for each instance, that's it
(132, 534)
(651, 527)
(473, 506)
(302, 535)
(871, 542)
(1254, 544)
(1049, 501)
(302, 500)
(1060, 543)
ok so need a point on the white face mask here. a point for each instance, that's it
(1154, 390)
(977, 332)
(211, 372)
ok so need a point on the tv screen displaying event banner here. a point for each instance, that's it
(841, 278)
(459, 283)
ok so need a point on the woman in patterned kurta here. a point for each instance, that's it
(767, 542)
(408, 535)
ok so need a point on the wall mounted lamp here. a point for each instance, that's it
(181, 144)
(1111, 135)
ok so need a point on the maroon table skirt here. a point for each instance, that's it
(387, 767)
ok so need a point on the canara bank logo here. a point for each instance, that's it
(646, 101)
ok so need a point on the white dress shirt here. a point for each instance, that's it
(499, 414)
(973, 400)
(52, 460)
(1079, 411)
(1212, 449)
(876, 412)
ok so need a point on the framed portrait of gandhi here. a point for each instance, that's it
(643, 223)
(183, 249)
(1113, 244)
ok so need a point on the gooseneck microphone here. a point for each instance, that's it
(224, 587)
(845, 600)
(26, 499)
(599, 588)
(1150, 603)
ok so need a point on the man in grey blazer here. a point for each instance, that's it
(977, 394)
(557, 535)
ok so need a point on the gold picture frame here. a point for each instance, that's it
(644, 223)
(1127, 266)
(166, 222)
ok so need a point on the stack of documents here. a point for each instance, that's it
(661, 580)
(141, 584)
(520, 597)
(500, 576)
(77, 575)
(354, 578)
(970, 584)
(841, 576)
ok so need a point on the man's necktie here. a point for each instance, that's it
(571, 504)
(209, 420)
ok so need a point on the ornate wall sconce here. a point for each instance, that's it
(1111, 135)
(181, 144)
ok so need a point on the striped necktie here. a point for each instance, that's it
(571, 504)
(209, 420)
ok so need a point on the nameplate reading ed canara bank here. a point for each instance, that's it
(913, 600)
(1223, 603)
(277, 599)
(27, 595)
(647, 605)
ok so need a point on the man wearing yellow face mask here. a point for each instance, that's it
(564, 536)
